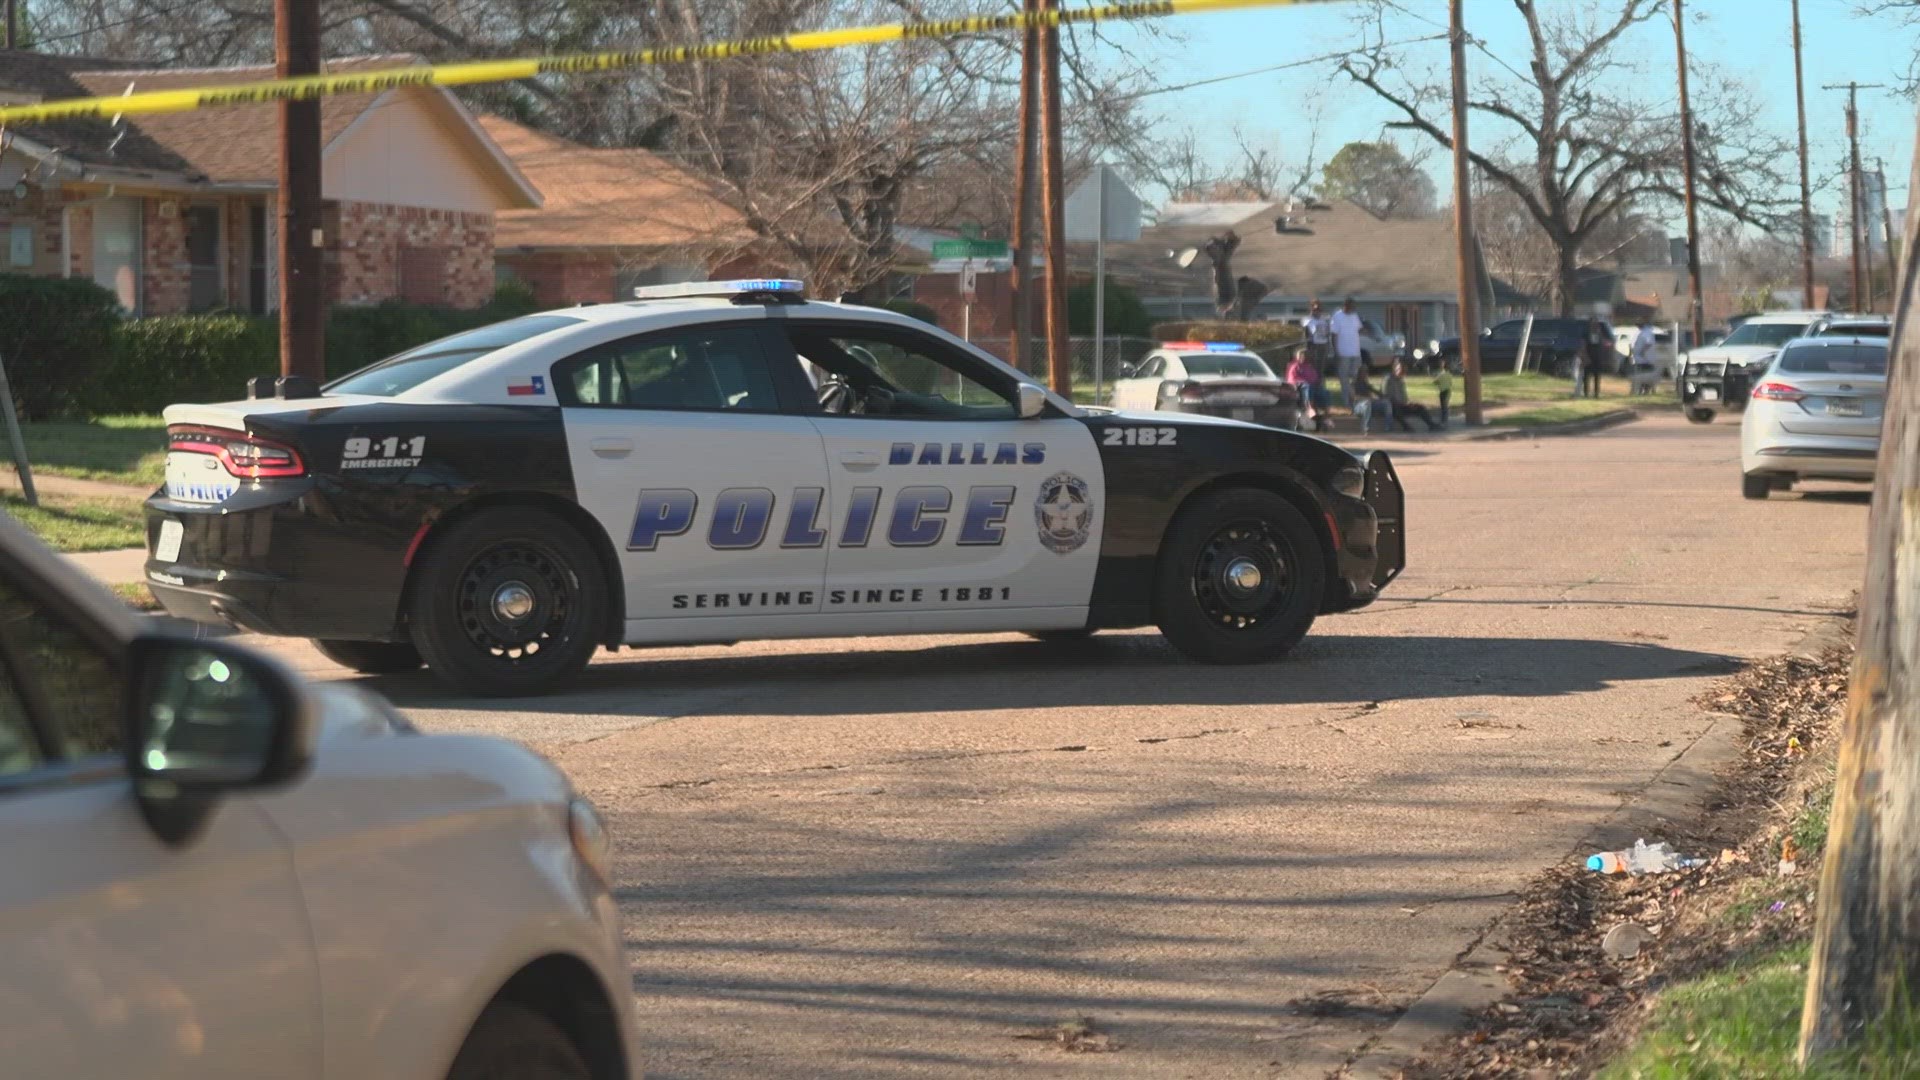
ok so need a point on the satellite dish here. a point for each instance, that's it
(1186, 258)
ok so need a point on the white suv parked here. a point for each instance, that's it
(214, 870)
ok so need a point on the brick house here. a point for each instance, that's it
(176, 213)
(612, 219)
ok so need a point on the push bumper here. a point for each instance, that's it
(1371, 535)
(1715, 385)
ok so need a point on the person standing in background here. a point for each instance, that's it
(1443, 385)
(1319, 330)
(1644, 373)
(1345, 326)
(1599, 347)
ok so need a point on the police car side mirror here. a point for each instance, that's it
(1032, 401)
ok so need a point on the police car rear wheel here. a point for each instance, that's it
(1240, 578)
(371, 657)
(511, 602)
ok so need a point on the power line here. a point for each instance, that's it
(115, 25)
(1311, 60)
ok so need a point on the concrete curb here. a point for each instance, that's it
(1677, 792)
(1571, 427)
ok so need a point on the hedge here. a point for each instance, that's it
(1124, 314)
(1254, 335)
(56, 340)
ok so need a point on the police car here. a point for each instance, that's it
(723, 461)
(1212, 378)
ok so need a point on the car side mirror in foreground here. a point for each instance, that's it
(1032, 401)
(205, 718)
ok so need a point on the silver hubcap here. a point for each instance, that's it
(514, 601)
(1243, 574)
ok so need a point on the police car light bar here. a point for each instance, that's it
(741, 287)
(1206, 346)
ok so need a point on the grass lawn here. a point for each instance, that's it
(1559, 412)
(136, 595)
(81, 524)
(118, 449)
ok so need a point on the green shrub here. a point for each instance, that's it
(56, 337)
(171, 358)
(914, 309)
(1125, 316)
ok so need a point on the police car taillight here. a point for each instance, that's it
(244, 455)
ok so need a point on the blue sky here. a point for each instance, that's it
(1748, 38)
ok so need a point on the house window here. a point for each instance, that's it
(20, 246)
(116, 249)
(423, 275)
(204, 291)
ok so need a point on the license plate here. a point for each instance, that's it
(1709, 393)
(1846, 407)
(167, 549)
(1243, 414)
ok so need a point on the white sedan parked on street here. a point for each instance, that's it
(1815, 414)
(215, 870)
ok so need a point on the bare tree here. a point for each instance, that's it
(1572, 144)
(1380, 178)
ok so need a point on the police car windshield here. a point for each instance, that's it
(1225, 364)
(1836, 359)
(1752, 333)
(399, 374)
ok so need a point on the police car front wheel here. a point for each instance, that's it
(1240, 578)
(511, 601)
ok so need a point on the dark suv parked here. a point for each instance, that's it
(1552, 347)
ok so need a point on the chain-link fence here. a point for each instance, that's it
(1093, 374)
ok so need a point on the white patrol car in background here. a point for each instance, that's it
(1720, 376)
(1210, 378)
(215, 870)
(722, 461)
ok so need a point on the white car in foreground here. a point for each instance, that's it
(214, 870)
(1815, 414)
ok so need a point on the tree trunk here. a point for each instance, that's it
(1566, 276)
(1866, 957)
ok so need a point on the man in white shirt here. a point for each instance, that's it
(1345, 325)
(1319, 331)
(1645, 372)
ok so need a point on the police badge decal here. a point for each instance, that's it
(1064, 512)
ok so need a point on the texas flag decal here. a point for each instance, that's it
(535, 386)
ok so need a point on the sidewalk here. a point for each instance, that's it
(69, 486)
(125, 566)
(1346, 429)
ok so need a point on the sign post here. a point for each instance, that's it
(969, 278)
(1102, 208)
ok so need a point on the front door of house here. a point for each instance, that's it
(203, 257)
(116, 249)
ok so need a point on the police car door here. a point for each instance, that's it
(685, 445)
(950, 512)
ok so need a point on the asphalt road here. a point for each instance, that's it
(890, 857)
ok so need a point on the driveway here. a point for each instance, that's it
(890, 857)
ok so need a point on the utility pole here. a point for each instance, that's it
(1695, 307)
(1886, 228)
(1020, 277)
(1854, 229)
(1806, 189)
(1053, 210)
(1465, 265)
(296, 51)
(1866, 942)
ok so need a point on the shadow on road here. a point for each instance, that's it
(1130, 668)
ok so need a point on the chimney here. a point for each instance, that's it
(1677, 250)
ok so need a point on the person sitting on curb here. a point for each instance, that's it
(1368, 405)
(1396, 391)
(1305, 377)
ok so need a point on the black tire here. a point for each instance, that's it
(1208, 619)
(1061, 637)
(1700, 416)
(1755, 485)
(371, 657)
(512, 1042)
(464, 637)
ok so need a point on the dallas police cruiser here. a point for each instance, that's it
(723, 461)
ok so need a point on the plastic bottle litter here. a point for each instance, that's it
(1641, 858)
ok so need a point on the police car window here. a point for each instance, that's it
(718, 368)
(399, 374)
(897, 378)
(1156, 367)
(77, 682)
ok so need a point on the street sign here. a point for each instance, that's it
(968, 278)
(970, 249)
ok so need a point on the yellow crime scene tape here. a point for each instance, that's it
(492, 71)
